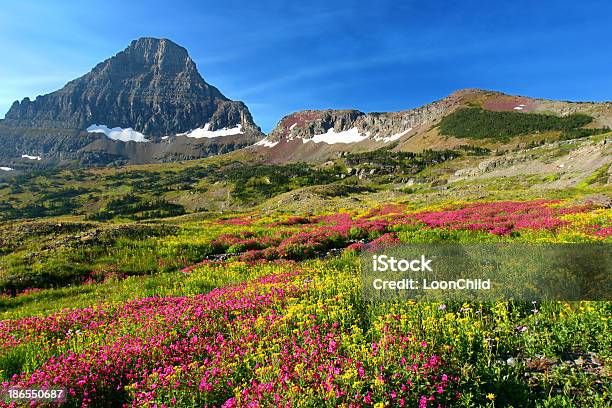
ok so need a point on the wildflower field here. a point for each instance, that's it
(255, 310)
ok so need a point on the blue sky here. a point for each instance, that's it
(280, 56)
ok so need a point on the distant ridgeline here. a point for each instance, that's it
(477, 123)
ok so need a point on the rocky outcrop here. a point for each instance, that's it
(317, 135)
(305, 124)
(374, 126)
(152, 87)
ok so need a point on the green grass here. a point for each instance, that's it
(600, 176)
(47, 301)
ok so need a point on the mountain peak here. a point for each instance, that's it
(153, 40)
(161, 53)
(151, 45)
(152, 86)
(151, 89)
(155, 56)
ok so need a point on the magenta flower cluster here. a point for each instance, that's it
(310, 236)
(234, 346)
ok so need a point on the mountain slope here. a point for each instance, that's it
(151, 92)
(320, 135)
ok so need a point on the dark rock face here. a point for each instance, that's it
(152, 86)
(308, 123)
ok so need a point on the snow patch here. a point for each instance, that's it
(391, 138)
(266, 143)
(207, 133)
(332, 137)
(6, 169)
(27, 156)
(165, 137)
(117, 133)
(293, 126)
(519, 107)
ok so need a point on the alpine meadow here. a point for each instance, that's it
(159, 249)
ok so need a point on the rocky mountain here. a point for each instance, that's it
(318, 135)
(148, 103)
